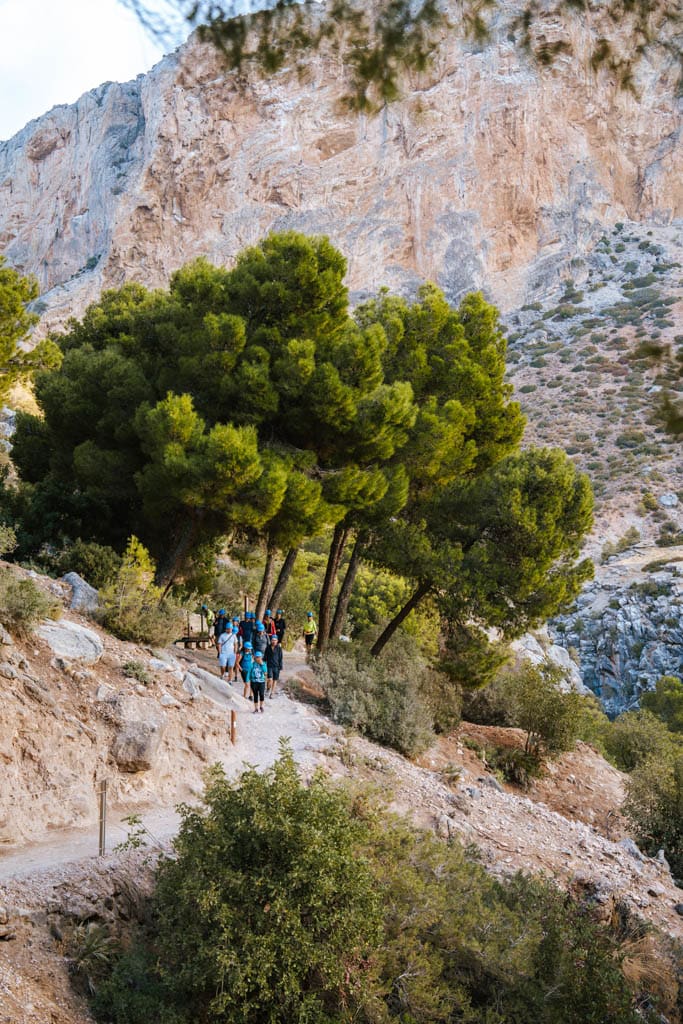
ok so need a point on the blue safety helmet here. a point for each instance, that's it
(259, 626)
(268, 612)
(248, 646)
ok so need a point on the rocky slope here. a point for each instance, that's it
(488, 173)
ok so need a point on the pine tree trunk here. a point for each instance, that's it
(384, 638)
(169, 567)
(266, 581)
(341, 610)
(333, 559)
(283, 578)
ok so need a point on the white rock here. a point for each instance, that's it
(67, 640)
(167, 701)
(668, 500)
(161, 666)
(84, 598)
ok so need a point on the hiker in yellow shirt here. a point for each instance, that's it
(310, 633)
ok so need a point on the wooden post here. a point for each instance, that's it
(233, 727)
(102, 793)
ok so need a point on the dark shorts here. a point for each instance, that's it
(274, 673)
(308, 637)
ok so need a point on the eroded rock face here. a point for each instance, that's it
(626, 637)
(487, 174)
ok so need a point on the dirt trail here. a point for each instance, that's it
(258, 744)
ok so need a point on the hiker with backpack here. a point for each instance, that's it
(280, 626)
(273, 664)
(219, 626)
(257, 681)
(268, 624)
(260, 638)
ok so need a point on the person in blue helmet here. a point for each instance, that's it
(246, 661)
(227, 652)
(260, 638)
(247, 626)
(219, 625)
(257, 681)
(273, 661)
(268, 623)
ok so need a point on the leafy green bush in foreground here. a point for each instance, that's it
(292, 905)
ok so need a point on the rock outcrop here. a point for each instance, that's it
(488, 173)
(626, 636)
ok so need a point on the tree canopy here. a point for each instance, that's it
(16, 321)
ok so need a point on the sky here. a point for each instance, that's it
(52, 51)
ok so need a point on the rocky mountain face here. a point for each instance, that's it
(489, 173)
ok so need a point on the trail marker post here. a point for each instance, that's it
(102, 794)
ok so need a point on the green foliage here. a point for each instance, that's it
(23, 604)
(96, 563)
(136, 670)
(132, 607)
(631, 537)
(537, 704)
(636, 737)
(8, 540)
(310, 906)
(654, 806)
(90, 949)
(666, 702)
(515, 765)
(16, 292)
(381, 697)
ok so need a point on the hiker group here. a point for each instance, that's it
(253, 648)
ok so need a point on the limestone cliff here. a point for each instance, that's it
(488, 173)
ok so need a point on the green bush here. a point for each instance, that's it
(635, 737)
(23, 604)
(133, 608)
(381, 697)
(549, 716)
(654, 806)
(666, 702)
(96, 563)
(8, 540)
(291, 905)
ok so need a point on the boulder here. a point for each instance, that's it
(68, 640)
(140, 729)
(669, 500)
(5, 638)
(84, 598)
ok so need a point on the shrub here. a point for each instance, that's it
(380, 697)
(635, 737)
(8, 540)
(23, 604)
(137, 670)
(654, 806)
(549, 716)
(96, 563)
(133, 608)
(290, 905)
(666, 702)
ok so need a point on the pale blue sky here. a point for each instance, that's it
(52, 51)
